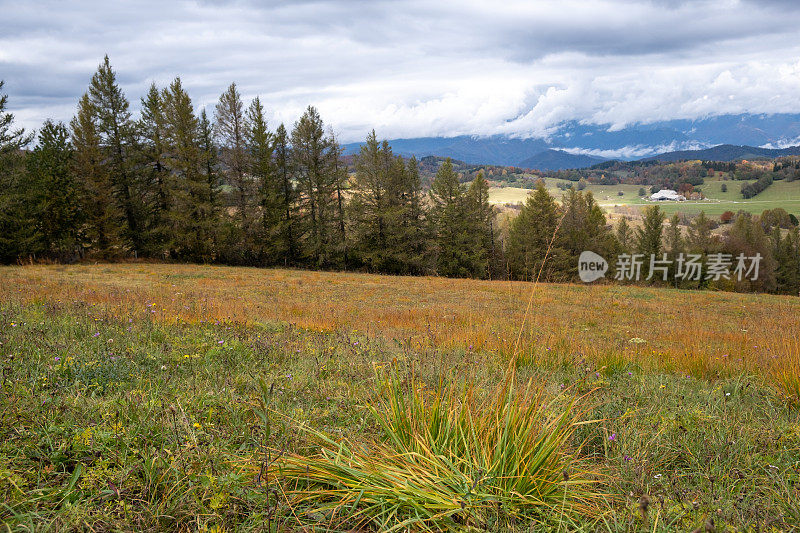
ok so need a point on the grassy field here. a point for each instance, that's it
(168, 397)
(779, 194)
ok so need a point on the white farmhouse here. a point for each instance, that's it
(667, 194)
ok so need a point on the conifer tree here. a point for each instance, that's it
(624, 235)
(531, 234)
(209, 160)
(317, 182)
(674, 245)
(340, 180)
(191, 211)
(117, 135)
(786, 250)
(746, 237)
(262, 169)
(287, 196)
(53, 196)
(101, 213)
(386, 211)
(457, 248)
(699, 238)
(649, 236)
(415, 234)
(12, 183)
(230, 132)
(11, 140)
(481, 217)
(583, 228)
(369, 204)
(152, 151)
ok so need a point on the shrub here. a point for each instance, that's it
(748, 191)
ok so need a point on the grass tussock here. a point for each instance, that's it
(449, 460)
(786, 370)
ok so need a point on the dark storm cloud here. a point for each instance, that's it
(417, 67)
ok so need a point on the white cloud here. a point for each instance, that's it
(636, 151)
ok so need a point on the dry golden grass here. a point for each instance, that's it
(700, 333)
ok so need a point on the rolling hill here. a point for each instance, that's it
(559, 160)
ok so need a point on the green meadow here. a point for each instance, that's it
(195, 398)
(780, 194)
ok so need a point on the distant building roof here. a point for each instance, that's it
(667, 194)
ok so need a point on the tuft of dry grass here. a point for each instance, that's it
(448, 460)
(785, 370)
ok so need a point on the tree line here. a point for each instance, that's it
(175, 184)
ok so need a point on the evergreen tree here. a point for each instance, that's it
(12, 183)
(786, 251)
(287, 196)
(673, 237)
(674, 246)
(101, 213)
(481, 216)
(116, 131)
(370, 204)
(386, 211)
(53, 197)
(583, 228)
(414, 225)
(531, 234)
(746, 236)
(317, 182)
(231, 137)
(209, 161)
(699, 237)
(458, 254)
(152, 150)
(649, 236)
(191, 211)
(624, 235)
(340, 180)
(11, 140)
(262, 169)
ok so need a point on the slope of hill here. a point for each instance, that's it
(559, 160)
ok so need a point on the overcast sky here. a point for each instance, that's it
(417, 68)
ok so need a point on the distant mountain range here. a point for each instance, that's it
(726, 152)
(576, 145)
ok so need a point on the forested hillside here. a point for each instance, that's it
(172, 184)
